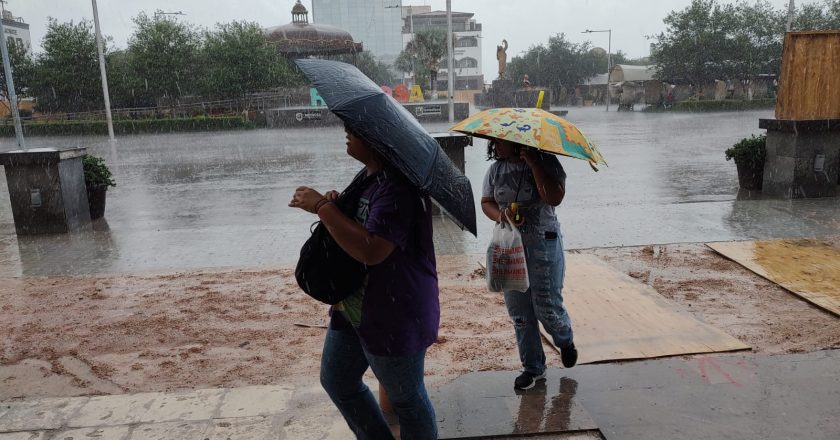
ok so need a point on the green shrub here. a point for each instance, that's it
(131, 126)
(749, 151)
(96, 172)
(694, 105)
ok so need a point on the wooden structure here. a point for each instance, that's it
(810, 80)
(809, 269)
(616, 317)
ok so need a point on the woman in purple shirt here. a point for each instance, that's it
(390, 321)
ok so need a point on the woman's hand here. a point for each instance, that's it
(306, 199)
(331, 196)
(505, 215)
(529, 155)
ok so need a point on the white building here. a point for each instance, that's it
(467, 35)
(17, 30)
(377, 24)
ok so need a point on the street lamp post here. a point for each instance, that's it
(157, 13)
(101, 50)
(450, 62)
(609, 59)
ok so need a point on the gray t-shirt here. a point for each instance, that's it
(507, 182)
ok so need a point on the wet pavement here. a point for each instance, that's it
(705, 397)
(714, 397)
(219, 199)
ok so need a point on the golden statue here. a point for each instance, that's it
(501, 55)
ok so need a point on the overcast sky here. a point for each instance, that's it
(521, 22)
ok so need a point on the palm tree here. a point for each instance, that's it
(422, 55)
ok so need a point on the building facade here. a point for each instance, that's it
(377, 24)
(17, 30)
(467, 41)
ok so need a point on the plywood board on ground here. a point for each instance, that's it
(809, 268)
(615, 317)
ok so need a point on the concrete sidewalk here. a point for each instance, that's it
(730, 396)
(255, 412)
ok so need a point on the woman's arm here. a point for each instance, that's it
(492, 211)
(551, 191)
(360, 244)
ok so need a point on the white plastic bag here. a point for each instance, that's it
(506, 265)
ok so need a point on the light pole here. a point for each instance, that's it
(10, 84)
(791, 13)
(450, 72)
(101, 50)
(609, 59)
(168, 13)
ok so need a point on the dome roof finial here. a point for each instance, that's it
(299, 13)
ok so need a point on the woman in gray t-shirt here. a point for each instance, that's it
(532, 183)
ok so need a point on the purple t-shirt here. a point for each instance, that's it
(397, 313)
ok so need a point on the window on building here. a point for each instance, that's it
(467, 63)
(467, 42)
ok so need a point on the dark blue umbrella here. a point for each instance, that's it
(394, 133)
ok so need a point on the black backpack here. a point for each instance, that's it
(324, 271)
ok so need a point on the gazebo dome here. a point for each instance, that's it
(299, 11)
(301, 38)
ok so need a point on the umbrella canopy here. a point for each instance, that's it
(532, 127)
(394, 133)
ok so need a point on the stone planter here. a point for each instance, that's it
(96, 200)
(47, 190)
(587, 103)
(750, 175)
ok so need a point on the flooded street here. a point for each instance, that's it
(218, 199)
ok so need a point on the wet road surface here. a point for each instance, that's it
(220, 199)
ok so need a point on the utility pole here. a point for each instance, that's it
(609, 59)
(451, 62)
(10, 82)
(101, 50)
(791, 13)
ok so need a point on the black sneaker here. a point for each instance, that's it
(527, 380)
(569, 355)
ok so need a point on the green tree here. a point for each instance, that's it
(423, 55)
(708, 41)
(22, 71)
(559, 63)
(376, 70)
(164, 53)
(236, 60)
(817, 16)
(66, 75)
(127, 89)
(696, 43)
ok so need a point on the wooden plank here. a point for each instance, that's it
(616, 317)
(807, 268)
(809, 86)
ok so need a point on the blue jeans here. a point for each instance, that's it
(343, 363)
(542, 302)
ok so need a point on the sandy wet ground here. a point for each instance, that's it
(110, 334)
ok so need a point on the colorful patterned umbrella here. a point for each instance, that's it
(535, 128)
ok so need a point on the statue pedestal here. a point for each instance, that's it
(502, 93)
